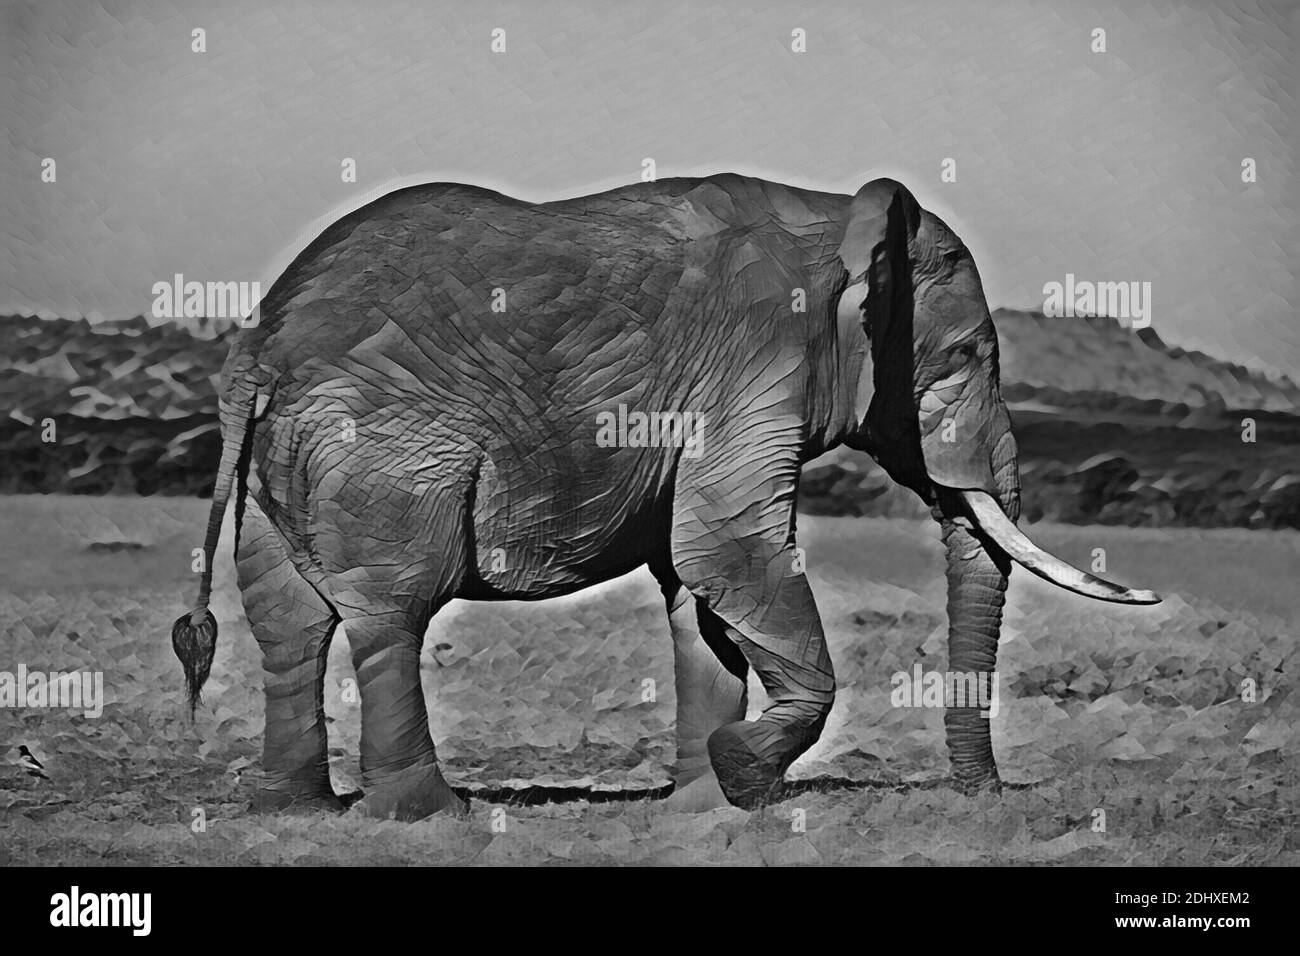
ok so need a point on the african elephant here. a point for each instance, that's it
(447, 395)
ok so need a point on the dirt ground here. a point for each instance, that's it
(1163, 735)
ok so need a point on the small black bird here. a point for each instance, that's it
(29, 763)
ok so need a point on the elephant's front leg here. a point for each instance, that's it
(710, 674)
(733, 546)
(785, 645)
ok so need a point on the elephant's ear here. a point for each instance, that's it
(883, 217)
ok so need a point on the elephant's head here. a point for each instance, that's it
(931, 412)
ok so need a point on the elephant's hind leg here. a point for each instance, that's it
(292, 624)
(393, 556)
(399, 764)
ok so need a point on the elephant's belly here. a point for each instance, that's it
(544, 565)
(546, 537)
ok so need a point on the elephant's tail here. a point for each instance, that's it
(194, 635)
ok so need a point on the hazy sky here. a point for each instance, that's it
(1115, 166)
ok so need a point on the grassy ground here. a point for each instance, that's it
(1131, 717)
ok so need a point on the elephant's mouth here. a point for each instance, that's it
(987, 516)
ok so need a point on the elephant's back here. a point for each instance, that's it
(459, 244)
(475, 283)
(443, 236)
(556, 300)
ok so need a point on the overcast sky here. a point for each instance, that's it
(1115, 166)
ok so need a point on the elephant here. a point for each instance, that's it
(451, 393)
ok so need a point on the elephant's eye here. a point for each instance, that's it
(963, 351)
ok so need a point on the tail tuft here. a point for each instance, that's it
(194, 638)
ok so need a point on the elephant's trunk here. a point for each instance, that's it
(977, 587)
(977, 584)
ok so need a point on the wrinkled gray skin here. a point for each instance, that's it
(396, 443)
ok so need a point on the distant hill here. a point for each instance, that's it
(1114, 426)
(1097, 355)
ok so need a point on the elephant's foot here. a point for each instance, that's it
(699, 795)
(970, 751)
(973, 784)
(409, 794)
(311, 799)
(749, 758)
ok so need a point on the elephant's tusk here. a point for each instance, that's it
(994, 523)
